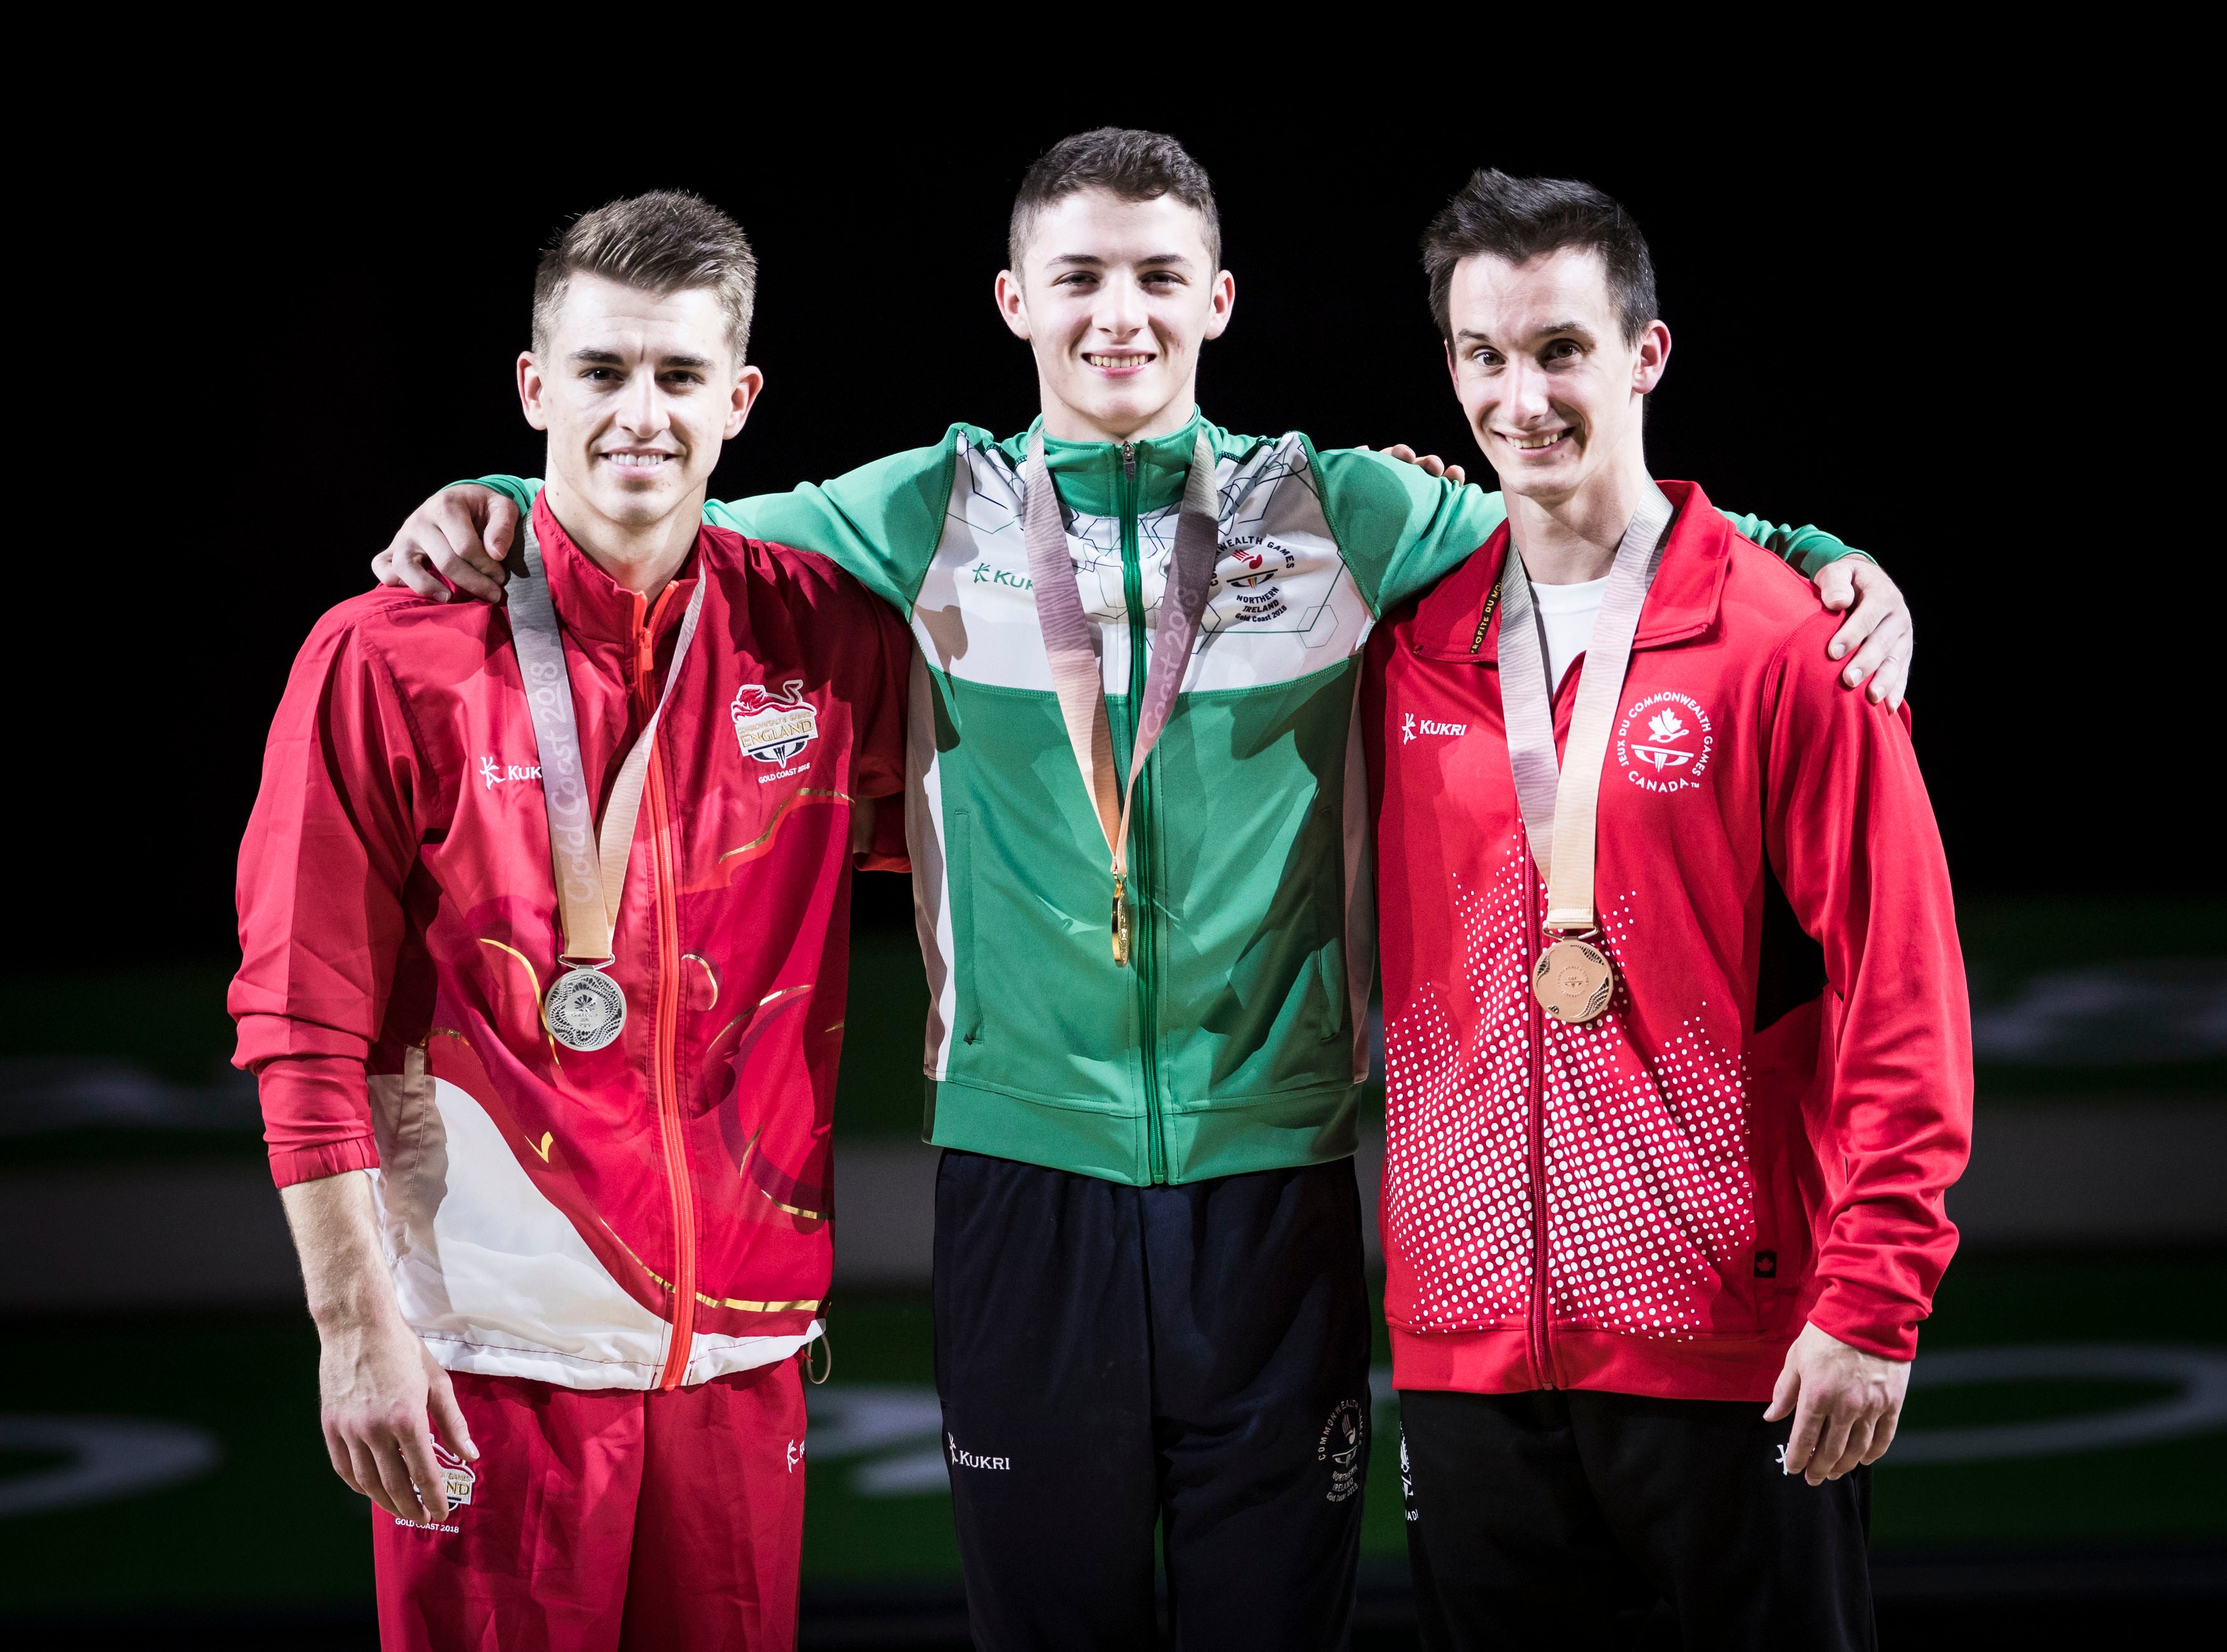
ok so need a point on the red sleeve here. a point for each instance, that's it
(329, 846)
(1851, 836)
(878, 766)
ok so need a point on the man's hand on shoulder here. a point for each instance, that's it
(1429, 463)
(1845, 1404)
(458, 538)
(1877, 632)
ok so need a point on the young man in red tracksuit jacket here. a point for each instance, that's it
(554, 1148)
(1676, 1036)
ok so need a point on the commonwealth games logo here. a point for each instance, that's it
(773, 727)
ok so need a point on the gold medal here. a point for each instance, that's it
(1573, 981)
(1120, 920)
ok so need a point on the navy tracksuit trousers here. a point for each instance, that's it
(1114, 1360)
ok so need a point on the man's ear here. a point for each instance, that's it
(1012, 304)
(1453, 375)
(1222, 301)
(1654, 357)
(748, 385)
(530, 390)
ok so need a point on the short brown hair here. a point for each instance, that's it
(664, 242)
(1519, 219)
(1127, 164)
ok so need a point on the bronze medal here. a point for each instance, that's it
(1573, 981)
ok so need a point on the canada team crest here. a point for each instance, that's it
(1665, 742)
(773, 727)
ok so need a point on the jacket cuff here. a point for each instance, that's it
(1865, 1317)
(292, 1164)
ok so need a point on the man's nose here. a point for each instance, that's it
(642, 409)
(1523, 392)
(1121, 309)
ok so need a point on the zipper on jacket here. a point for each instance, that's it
(1142, 952)
(664, 1063)
(1541, 1354)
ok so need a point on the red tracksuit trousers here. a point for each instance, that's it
(611, 1520)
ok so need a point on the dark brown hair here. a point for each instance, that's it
(1127, 164)
(1519, 219)
(664, 242)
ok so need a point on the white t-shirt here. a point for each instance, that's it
(1566, 615)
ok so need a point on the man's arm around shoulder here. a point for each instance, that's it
(881, 522)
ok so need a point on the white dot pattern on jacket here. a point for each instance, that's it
(1647, 1193)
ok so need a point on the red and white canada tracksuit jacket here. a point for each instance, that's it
(656, 1212)
(1759, 1129)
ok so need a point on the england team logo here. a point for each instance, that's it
(1665, 742)
(457, 1477)
(773, 727)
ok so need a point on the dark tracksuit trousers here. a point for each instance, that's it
(1114, 1360)
(1583, 1521)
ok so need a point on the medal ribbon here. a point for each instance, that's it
(1560, 803)
(1070, 642)
(590, 874)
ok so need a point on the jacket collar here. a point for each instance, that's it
(1681, 603)
(593, 605)
(1090, 474)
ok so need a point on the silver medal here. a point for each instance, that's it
(585, 1007)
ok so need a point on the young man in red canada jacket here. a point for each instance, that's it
(596, 1259)
(1653, 1278)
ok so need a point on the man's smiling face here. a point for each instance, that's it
(1115, 297)
(1551, 388)
(637, 394)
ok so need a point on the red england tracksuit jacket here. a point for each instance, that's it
(1759, 1129)
(656, 1212)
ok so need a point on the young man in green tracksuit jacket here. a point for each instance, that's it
(1150, 1305)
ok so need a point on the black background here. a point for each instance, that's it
(1891, 324)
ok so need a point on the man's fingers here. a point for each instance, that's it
(1854, 629)
(1852, 1452)
(366, 1479)
(459, 555)
(1401, 451)
(395, 1474)
(1784, 1396)
(1877, 649)
(425, 1472)
(1456, 474)
(502, 524)
(336, 1449)
(1802, 1442)
(1883, 1435)
(1831, 1443)
(1836, 586)
(448, 1415)
(1892, 682)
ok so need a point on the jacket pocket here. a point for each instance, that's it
(966, 999)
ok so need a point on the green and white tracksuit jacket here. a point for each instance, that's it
(1236, 1038)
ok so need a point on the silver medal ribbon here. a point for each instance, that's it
(584, 1008)
(1070, 640)
(1560, 801)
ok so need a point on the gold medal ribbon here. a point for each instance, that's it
(1560, 801)
(1070, 640)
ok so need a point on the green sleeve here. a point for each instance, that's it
(1806, 549)
(1399, 530)
(880, 522)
